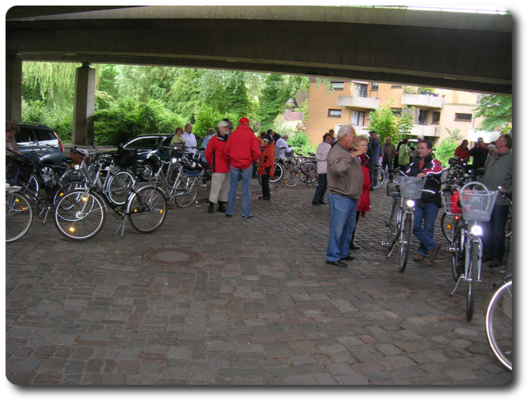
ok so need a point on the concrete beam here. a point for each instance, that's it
(84, 105)
(13, 88)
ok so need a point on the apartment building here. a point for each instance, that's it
(350, 102)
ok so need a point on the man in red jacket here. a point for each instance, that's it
(219, 162)
(243, 150)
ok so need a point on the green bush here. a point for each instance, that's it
(127, 119)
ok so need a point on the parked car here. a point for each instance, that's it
(149, 146)
(33, 139)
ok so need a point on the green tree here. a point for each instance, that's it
(387, 124)
(447, 147)
(275, 94)
(496, 111)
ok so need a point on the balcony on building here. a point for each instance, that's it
(426, 130)
(425, 100)
(359, 99)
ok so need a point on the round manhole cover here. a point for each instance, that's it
(171, 256)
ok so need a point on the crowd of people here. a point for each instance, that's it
(345, 168)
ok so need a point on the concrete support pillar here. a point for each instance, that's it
(84, 101)
(13, 88)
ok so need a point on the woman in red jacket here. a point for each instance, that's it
(266, 165)
(363, 204)
(462, 153)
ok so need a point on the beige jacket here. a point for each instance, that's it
(345, 176)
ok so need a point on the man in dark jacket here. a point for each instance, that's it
(479, 154)
(425, 166)
(375, 145)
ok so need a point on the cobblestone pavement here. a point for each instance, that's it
(258, 307)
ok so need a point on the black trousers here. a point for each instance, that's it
(265, 188)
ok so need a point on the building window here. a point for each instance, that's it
(360, 90)
(396, 86)
(422, 117)
(436, 117)
(463, 117)
(357, 118)
(334, 113)
(375, 86)
(337, 86)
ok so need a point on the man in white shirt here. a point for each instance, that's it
(283, 147)
(189, 139)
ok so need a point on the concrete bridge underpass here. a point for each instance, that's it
(461, 51)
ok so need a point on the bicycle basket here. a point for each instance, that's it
(125, 158)
(410, 187)
(451, 202)
(78, 156)
(21, 165)
(392, 189)
(477, 202)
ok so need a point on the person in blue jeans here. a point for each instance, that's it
(345, 182)
(243, 149)
(425, 166)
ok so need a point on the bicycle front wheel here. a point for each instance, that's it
(278, 173)
(147, 209)
(406, 238)
(19, 216)
(498, 323)
(119, 186)
(187, 189)
(291, 177)
(79, 215)
(472, 281)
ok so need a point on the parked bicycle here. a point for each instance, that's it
(404, 191)
(499, 321)
(179, 180)
(300, 169)
(477, 204)
(81, 213)
(19, 213)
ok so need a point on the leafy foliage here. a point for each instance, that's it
(275, 94)
(496, 111)
(387, 124)
(128, 119)
(448, 146)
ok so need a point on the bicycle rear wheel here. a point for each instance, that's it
(119, 186)
(393, 223)
(448, 223)
(499, 323)
(406, 237)
(379, 177)
(187, 189)
(458, 253)
(79, 215)
(472, 281)
(147, 209)
(277, 174)
(19, 216)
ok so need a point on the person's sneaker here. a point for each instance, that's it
(210, 208)
(495, 263)
(315, 203)
(434, 252)
(204, 185)
(418, 257)
(354, 247)
(322, 202)
(228, 215)
(348, 258)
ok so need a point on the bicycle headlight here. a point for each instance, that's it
(77, 167)
(476, 230)
(410, 203)
(174, 160)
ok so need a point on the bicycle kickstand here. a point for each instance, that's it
(456, 286)
(122, 226)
